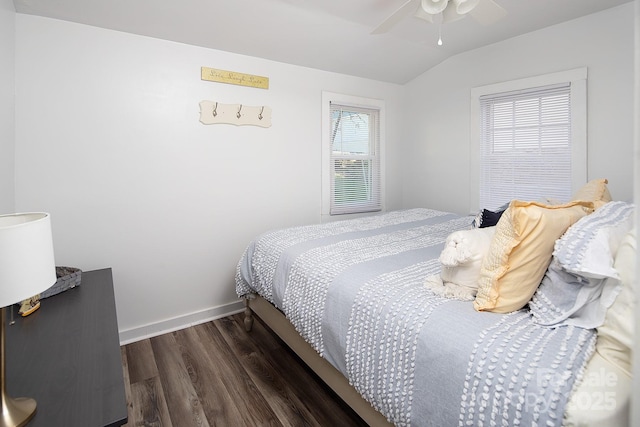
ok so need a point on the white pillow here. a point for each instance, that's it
(581, 282)
(589, 247)
(461, 259)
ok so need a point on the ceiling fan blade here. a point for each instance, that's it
(404, 10)
(487, 12)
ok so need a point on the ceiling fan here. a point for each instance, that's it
(442, 11)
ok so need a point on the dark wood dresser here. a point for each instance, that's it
(67, 357)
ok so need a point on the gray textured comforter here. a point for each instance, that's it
(355, 291)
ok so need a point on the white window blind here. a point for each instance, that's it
(354, 160)
(525, 145)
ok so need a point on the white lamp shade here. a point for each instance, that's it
(27, 265)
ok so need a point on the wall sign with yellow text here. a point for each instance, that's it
(234, 78)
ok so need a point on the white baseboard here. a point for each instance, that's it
(181, 322)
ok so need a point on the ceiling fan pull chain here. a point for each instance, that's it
(440, 34)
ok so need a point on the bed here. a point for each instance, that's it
(353, 299)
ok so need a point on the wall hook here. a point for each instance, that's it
(214, 112)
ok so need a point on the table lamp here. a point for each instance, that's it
(27, 268)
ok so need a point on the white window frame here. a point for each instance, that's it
(349, 101)
(578, 79)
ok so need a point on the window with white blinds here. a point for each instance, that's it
(525, 146)
(354, 166)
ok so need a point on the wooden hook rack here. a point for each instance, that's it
(212, 112)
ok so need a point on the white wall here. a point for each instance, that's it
(7, 85)
(436, 133)
(108, 140)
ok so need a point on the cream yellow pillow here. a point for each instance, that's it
(520, 252)
(595, 191)
(615, 336)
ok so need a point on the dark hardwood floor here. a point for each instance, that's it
(216, 374)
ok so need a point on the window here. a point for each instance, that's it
(352, 166)
(531, 139)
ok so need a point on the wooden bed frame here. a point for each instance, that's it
(330, 375)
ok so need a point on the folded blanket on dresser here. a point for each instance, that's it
(355, 291)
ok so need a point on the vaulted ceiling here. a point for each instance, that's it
(331, 35)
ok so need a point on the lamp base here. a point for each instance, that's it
(17, 412)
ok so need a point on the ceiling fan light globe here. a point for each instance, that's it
(450, 15)
(465, 6)
(433, 7)
(434, 19)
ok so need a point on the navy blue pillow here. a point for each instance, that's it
(487, 218)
